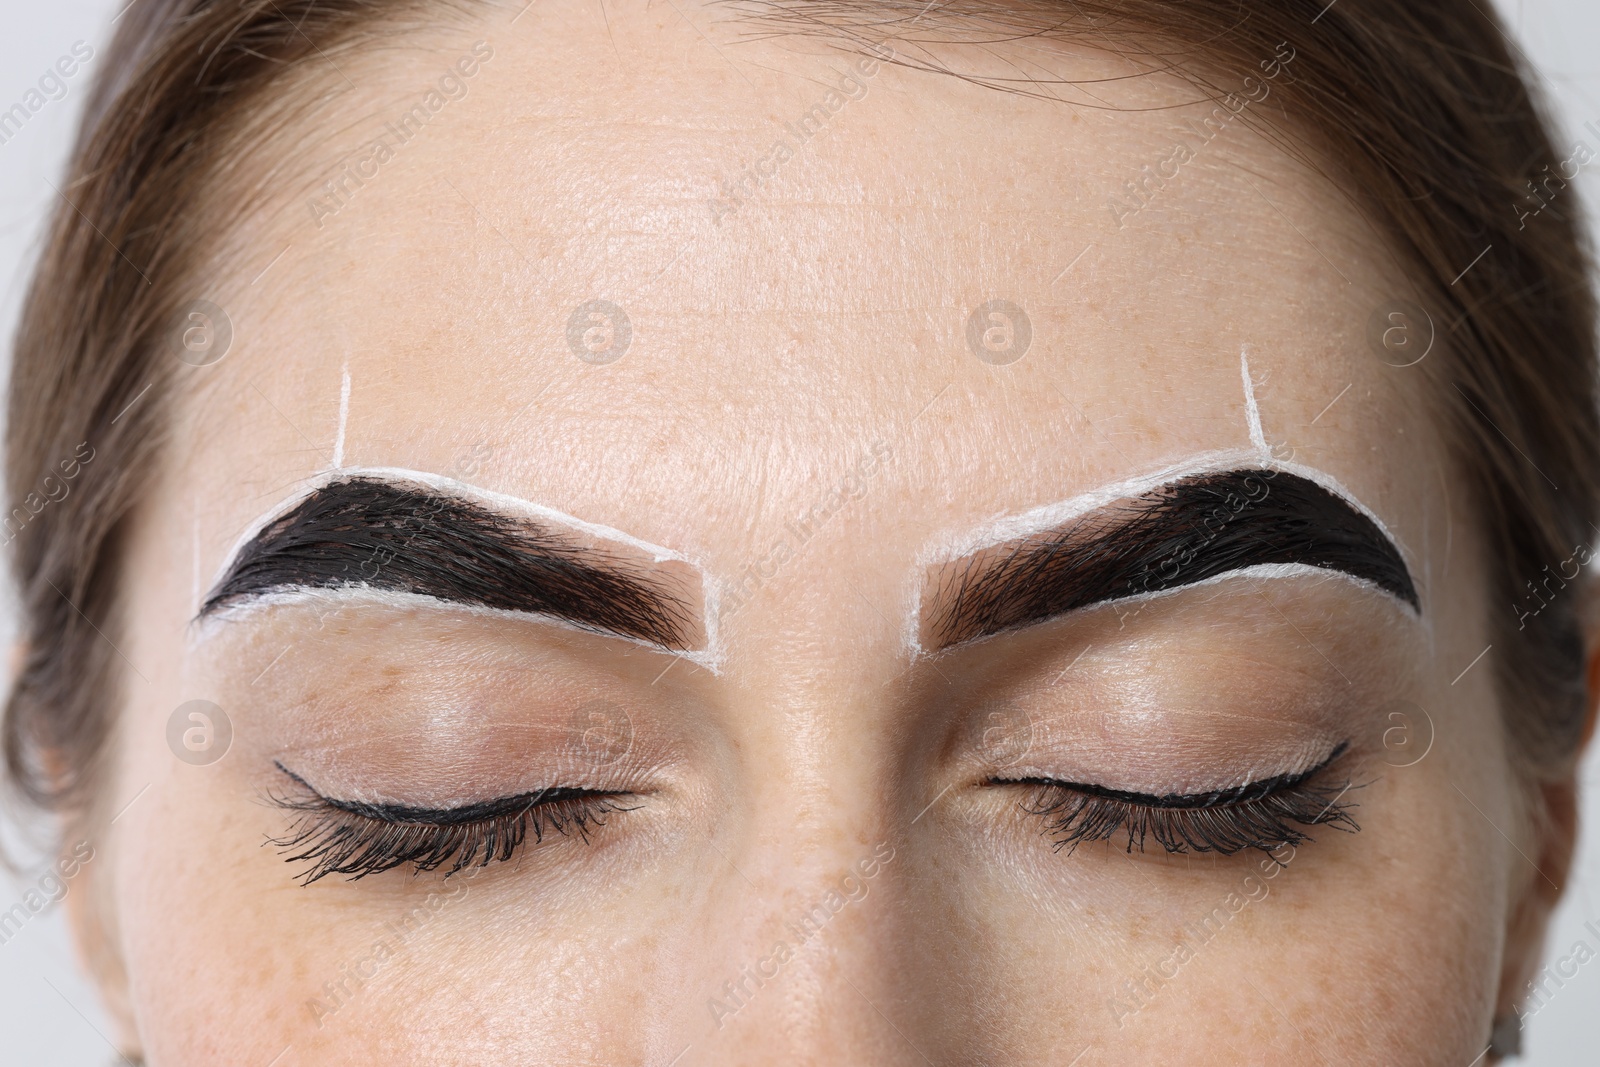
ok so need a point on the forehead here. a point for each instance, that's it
(682, 283)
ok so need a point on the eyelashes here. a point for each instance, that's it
(355, 838)
(1264, 815)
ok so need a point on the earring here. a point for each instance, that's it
(1505, 1039)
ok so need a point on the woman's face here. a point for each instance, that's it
(706, 516)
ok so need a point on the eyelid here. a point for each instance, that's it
(1263, 815)
(1256, 790)
(461, 815)
(358, 838)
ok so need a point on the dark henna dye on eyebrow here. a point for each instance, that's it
(375, 534)
(1182, 533)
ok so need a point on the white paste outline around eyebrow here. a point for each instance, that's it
(344, 417)
(501, 503)
(1047, 517)
(1252, 412)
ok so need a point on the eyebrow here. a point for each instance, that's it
(369, 533)
(1182, 533)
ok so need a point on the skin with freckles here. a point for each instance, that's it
(822, 847)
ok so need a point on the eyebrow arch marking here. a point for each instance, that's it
(1187, 531)
(408, 532)
(344, 416)
(1258, 440)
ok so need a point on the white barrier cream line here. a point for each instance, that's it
(501, 503)
(1022, 525)
(344, 417)
(1047, 517)
(1252, 413)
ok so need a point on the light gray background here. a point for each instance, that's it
(48, 1013)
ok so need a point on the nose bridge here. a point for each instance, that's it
(817, 976)
(813, 858)
(812, 890)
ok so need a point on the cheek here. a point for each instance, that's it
(234, 963)
(1184, 959)
(1408, 914)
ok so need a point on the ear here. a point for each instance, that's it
(1553, 820)
(92, 917)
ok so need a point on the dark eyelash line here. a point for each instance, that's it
(355, 838)
(1239, 794)
(1261, 815)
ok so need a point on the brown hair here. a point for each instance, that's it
(1423, 105)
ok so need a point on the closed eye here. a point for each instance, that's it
(357, 838)
(1265, 814)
